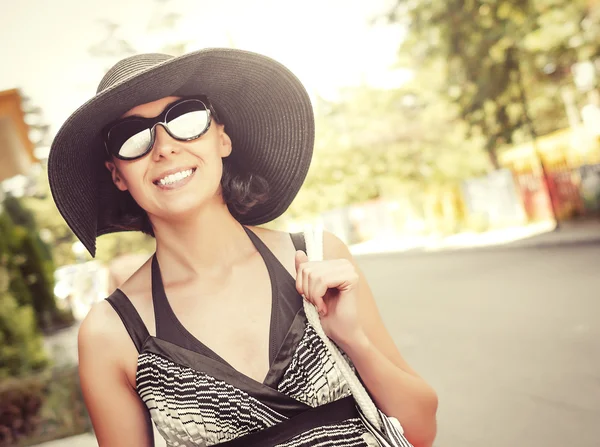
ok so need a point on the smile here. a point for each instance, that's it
(174, 178)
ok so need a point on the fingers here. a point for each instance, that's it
(315, 287)
(314, 279)
(301, 258)
(309, 286)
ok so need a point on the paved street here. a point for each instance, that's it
(510, 339)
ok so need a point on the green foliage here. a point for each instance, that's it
(24, 217)
(11, 262)
(504, 62)
(39, 275)
(375, 143)
(19, 214)
(21, 348)
(34, 282)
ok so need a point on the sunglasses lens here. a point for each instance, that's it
(136, 145)
(188, 119)
(129, 139)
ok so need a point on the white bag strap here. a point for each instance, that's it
(313, 237)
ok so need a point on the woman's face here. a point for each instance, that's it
(175, 177)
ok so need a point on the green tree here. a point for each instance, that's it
(38, 273)
(25, 218)
(21, 348)
(11, 261)
(504, 61)
(30, 263)
(376, 143)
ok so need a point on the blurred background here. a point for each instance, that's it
(457, 154)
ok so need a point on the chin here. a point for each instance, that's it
(179, 208)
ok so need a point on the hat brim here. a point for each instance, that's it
(266, 111)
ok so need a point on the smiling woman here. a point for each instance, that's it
(209, 339)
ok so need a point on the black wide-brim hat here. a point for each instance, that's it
(265, 109)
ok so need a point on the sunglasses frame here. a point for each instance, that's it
(159, 120)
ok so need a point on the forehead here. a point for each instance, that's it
(151, 109)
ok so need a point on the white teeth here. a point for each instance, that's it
(172, 178)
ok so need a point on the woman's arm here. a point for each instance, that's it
(396, 388)
(118, 415)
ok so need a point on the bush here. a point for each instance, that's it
(42, 408)
(38, 274)
(23, 217)
(12, 260)
(20, 403)
(29, 263)
(21, 346)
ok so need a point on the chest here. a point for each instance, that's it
(230, 315)
(199, 404)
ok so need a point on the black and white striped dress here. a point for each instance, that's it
(195, 398)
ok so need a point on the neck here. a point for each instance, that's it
(211, 240)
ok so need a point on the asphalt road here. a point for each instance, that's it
(509, 338)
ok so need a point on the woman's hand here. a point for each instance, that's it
(332, 287)
(350, 317)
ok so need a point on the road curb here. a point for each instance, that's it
(517, 245)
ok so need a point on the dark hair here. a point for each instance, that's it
(241, 191)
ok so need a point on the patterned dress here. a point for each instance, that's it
(195, 398)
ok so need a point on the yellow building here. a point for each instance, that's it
(569, 156)
(16, 149)
(563, 147)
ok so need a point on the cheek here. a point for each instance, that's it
(208, 156)
(132, 174)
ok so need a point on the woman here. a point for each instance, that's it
(208, 339)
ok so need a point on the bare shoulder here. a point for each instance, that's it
(100, 327)
(103, 336)
(334, 247)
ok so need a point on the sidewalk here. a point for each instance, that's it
(85, 440)
(568, 233)
(530, 236)
(89, 440)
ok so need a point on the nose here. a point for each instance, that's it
(164, 144)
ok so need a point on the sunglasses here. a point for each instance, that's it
(184, 120)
